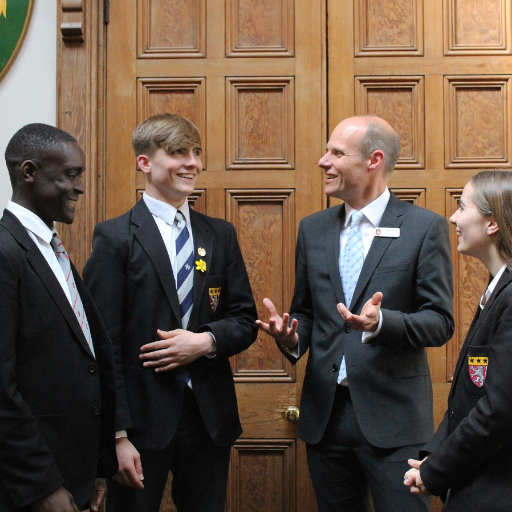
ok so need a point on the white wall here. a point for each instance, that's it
(28, 90)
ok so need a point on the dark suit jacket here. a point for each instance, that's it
(472, 449)
(389, 378)
(56, 400)
(130, 276)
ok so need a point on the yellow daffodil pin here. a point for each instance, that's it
(201, 265)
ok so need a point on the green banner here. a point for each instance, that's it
(14, 20)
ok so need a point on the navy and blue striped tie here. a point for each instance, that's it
(185, 265)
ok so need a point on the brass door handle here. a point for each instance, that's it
(292, 414)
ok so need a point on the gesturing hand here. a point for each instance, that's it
(278, 328)
(368, 320)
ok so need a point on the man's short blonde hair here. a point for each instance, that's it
(167, 131)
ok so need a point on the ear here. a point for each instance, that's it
(492, 227)
(144, 163)
(376, 160)
(28, 170)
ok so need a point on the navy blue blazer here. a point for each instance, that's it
(130, 276)
(471, 452)
(56, 400)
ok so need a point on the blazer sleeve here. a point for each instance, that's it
(108, 289)
(302, 303)
(487, 427)
(237, 328)
(431, 323)
(28, 470)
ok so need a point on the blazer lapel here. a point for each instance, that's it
(392, 218)
(44, 272)
(203, 250)
(332, 249)
(148, 234)
(478, 319)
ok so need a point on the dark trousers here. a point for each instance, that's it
(199, 469)
(344, 467)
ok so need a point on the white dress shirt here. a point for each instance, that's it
(492, 285)
(42, 235)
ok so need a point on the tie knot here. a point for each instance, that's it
(180, 219)
(356, 218)
(56, 243)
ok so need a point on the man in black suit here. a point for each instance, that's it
(366, 403)
(163, 271)
(57, 382)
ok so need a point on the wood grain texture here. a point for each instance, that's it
(260, 28)
(389, 28)
(263, 476)
(260, 123)
(477, 121)
(171, 28)
(264, 223)
(401, 101)
(474, 26)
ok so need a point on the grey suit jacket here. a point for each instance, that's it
(389, 377)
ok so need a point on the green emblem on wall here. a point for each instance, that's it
(14, 20)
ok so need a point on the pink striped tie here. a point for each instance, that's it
(76, 301)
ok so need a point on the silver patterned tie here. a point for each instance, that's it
(351, 263)
(76, 301)
(184, 265)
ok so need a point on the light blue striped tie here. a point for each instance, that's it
(185, 265)
(351, 263)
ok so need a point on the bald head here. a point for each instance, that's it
(374, 134)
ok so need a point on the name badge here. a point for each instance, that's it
(387, 232)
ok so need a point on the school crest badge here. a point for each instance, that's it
(14, 20)
(214, 294)
(478, 369)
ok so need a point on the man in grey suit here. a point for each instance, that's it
(370, 295)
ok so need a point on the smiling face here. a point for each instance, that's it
(473, 229)
(54, 185)
(171, 175)
(349, 175)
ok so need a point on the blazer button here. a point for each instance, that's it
(96, 410)
(347, 328)
(91, 368)
(335, 367)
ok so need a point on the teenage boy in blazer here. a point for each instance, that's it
(57, 381)
(177, 408)
(366, 403)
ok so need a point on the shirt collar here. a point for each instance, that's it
(31, 221)
(492, 285)
(373, 211)
(164, 210)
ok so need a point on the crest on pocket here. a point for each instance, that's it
(478, 369)
(214, 294)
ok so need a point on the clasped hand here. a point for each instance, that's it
(176, 348)
(412, 478)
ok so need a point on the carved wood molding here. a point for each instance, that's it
(72, 21)
(80, 110)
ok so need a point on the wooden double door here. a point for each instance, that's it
(266, 81)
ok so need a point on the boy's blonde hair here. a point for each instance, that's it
(167, 131)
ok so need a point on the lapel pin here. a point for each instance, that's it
(201, 265)
(201, 251)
